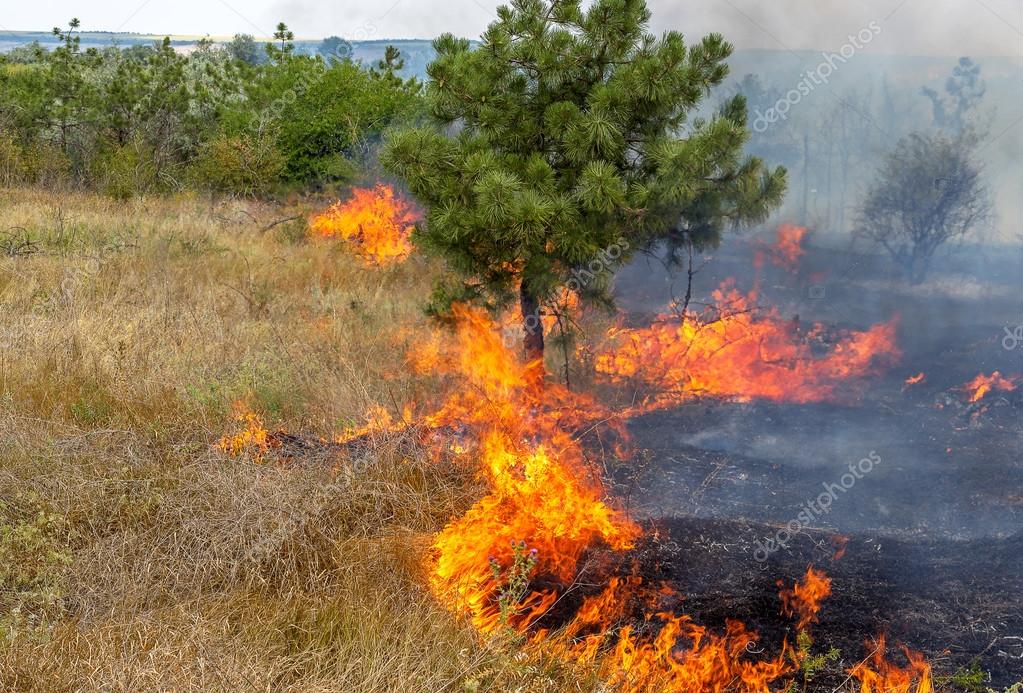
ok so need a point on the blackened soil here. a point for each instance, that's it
(955, 601)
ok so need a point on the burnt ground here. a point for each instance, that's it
(955, 601)
(935, 530)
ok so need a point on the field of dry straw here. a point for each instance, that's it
(133, 554)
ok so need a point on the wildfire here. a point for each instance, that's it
(732, 351)
(878, 675)
(979, 387)
(545, 507)
(681, 657)
(517, 551)
(804, 599)
(378, 223)
(788, 249)
(916, 379)
(253, 439)
(377, 420)
(542, 491)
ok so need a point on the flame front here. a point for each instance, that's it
(732, 351)
(517, 551)
(982, 385)
(375, 221)
(252, 439)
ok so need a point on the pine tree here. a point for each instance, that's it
(287, 47)
(566, 134)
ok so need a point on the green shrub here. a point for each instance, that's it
(126, 171)
(238, 164)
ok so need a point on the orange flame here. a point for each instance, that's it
(681, 656)
(541, 489)
(731, 351)
(377, 222)
(980, 386)
(878, 675)
(915, 379)
(788, 249)
(516, 552)
(545, 496)
(252, 440)
(805, 599)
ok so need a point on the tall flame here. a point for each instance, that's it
(805, 598)
(378, 223)
(542, 492)
(517, 552)
(787, 249)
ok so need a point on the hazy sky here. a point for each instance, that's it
(930, 27)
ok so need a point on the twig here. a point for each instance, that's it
(279, 222)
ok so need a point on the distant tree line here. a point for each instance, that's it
(872, 165)
(245, 118)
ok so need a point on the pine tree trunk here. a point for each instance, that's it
(532, 325)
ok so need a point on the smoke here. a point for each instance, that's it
(911, 27)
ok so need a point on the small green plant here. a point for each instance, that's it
(514, 580)
(968, 678)
(33, 554)
(809, 664)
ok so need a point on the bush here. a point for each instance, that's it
(238, 164)
(13, 167)
(126, 171)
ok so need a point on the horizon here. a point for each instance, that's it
(223, 38)
(987, 28)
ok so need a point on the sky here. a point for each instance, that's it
(922, 27)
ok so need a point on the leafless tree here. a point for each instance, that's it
(928, 191)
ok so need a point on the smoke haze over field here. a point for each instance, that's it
(924, 27)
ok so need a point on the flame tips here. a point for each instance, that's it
(806, 597)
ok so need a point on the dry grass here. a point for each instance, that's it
(133, 556)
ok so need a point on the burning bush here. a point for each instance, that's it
(375, 221)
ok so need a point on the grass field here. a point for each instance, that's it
(136, 556)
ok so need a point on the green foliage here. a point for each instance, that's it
(334, 48)
(247, 165)
(126, 171)
(970, 678)
(809, 664)
(147, 119)
(244, 49)
(514, 580)
(287, 47)
(327, 116)
(575, 130)
(33, 551)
